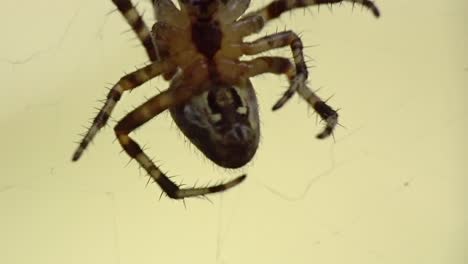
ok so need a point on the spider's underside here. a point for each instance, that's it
(198, 47)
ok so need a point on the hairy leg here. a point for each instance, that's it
(278, 7)
(325, 112)
(278, 40)
(279, 65)
(128, 82)
(141, 115)
(142, 31)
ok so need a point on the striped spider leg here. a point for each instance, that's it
(138, 26)
(279, 65)
(278, 7)
(253, 24)
(155, 48)
(255, 21)
(279, 40)
(126, 83)
(274, 10)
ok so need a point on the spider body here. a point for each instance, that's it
(211, 99)
(222, 121)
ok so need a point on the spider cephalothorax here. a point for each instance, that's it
(198, 47)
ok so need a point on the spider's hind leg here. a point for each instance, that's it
(138, 117)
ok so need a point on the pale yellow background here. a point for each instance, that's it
(390, 189)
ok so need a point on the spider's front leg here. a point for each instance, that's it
(142, 114)
(278, 7)
(142, 31)
(128, 82)
(278, 65)
(278, 40)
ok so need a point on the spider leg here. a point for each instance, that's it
(279, 40)
(128, 82)
(325, 112)
(268, 64)
(141, 115)
(163, 46)
(278, 7)
(248, 25)
(134, 19)
(278, 65)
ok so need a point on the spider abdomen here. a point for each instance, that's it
(223, 123)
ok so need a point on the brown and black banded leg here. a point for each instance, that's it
(163, 45)
(278, 40)
(138, 117)
(279, 65)
(134, 19)
(125, 83)
(268, 64)
(248, 25)
(325, 112)
(278, 7)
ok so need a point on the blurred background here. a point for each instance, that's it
(390, 188)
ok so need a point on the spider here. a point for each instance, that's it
(197, 47)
